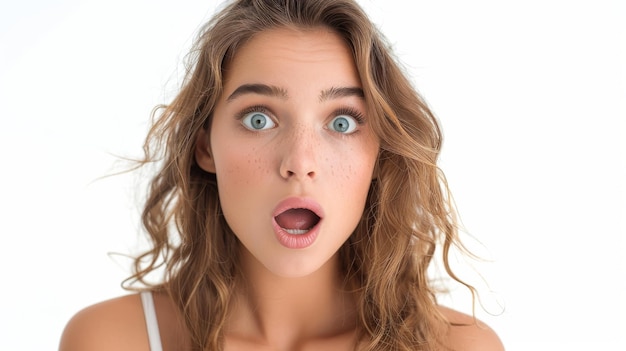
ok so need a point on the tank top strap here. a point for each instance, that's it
(154, 337)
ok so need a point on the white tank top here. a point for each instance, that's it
(154, 337)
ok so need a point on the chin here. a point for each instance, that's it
(299, 265)
(294, 270)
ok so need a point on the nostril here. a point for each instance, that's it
(298, 167)
(290, 174)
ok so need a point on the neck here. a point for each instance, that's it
(288, 311)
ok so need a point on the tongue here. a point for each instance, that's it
(297, 218)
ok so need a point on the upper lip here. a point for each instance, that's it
(298, 202)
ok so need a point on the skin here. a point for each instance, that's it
(301, 155)
(290, 299)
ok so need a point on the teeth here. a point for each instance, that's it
(296, 231)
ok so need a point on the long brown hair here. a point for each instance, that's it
(407, 215)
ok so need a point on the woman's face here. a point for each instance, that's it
(292, 149)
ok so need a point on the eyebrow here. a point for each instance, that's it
(274, 91)
(335, 93)
(261, 89)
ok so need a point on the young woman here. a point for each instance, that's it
(298, 202)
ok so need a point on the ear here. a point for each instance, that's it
(203, 155)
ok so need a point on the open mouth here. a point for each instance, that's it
(297, 221)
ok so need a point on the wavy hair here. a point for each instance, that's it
(408, 213)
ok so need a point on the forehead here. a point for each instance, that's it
(287, 54)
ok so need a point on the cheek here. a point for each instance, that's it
(353, 171)
(240, 166)
(240, 173)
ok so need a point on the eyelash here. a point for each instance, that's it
(349, 111)
(352, 112)
(255, 108)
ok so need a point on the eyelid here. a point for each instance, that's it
(242, 115)
(350, 112)
(256, 108)
(345, 111)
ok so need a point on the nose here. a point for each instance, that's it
(299, 155)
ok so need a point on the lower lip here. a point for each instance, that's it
(296, 241)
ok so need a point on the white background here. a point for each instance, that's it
(531, 96)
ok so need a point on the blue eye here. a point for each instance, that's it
(343, 124)
(257, 121)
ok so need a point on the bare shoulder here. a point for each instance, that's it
(116, 324)
(470, 334)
